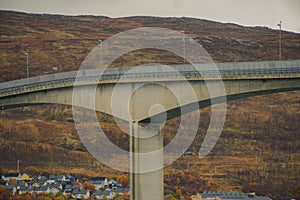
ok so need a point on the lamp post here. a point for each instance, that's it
(184, 49)
(279, 26)
(183, 39)
(27, 64)
(100, 44)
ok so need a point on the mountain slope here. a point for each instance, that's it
(259, 147)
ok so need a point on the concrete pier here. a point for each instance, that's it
(149, 185)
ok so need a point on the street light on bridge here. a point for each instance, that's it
(100, 44)
(279, 26)
(183, 38)
(27, 63)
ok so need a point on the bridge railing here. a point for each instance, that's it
(225, 69)
(259, 65)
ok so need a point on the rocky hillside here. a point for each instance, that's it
(259, 149)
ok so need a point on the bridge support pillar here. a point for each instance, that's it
(149, 185)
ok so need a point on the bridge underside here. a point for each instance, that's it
(145, 97)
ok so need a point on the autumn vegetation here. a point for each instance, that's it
(259, 149)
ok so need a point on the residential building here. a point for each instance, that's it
(81, 194)
(100, 194)
(99, 182)
(16, 176)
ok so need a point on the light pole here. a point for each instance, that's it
(279, 26)
(27, 64)
(184, 49)
(183, 39)
(100, 43)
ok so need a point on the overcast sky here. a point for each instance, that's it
(244, 12)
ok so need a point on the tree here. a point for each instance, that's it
(169, 197)
(179, 194)
(28, 197)
(89, 186)
(117, 197)
(59, 195)
(123, 179)
(62, 197)
(11, 181)
(4, 194)
(197, 197)
(76, 183)
(63, 184)
(125, 196)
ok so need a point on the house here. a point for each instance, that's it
(24, 190)
(75, 187)
(81, 194)
(230, 196)
(54, 190)
(56, 185)
(38, 182)
(26, 177)
(112, 184)
(44, 189)
(56, 178)
(19, 184)
(42, 178)
(196, 197)
(36, 185)
(7, 177)
(100, 194)
(99, 182)
(121, 190)
(68, 189)
(12, 189)
(69, 179)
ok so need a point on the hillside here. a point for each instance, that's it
(259, 149)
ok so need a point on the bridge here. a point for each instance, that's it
(239, 80)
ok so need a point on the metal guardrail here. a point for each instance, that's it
(250, 69)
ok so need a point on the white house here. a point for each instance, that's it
(56, 178)
(99, 194)
(16, 176)
(121, 191)
(81, 194)
(99, 182)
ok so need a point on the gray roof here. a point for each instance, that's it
(68, 187)
(122, 190)
(100, 178)
(55, 177)
(19, 183)
(55, 185)
(96, 182)
(24, 188)
(42, 178)
(44, 188)
(11, 175)
(9, 187)
(79, 192)
(115, 183)
(232, 196)
(75, 187)
(102, 192)
(41, 189)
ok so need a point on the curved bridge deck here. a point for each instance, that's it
(242, 70)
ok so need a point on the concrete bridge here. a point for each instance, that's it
(239, 80)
